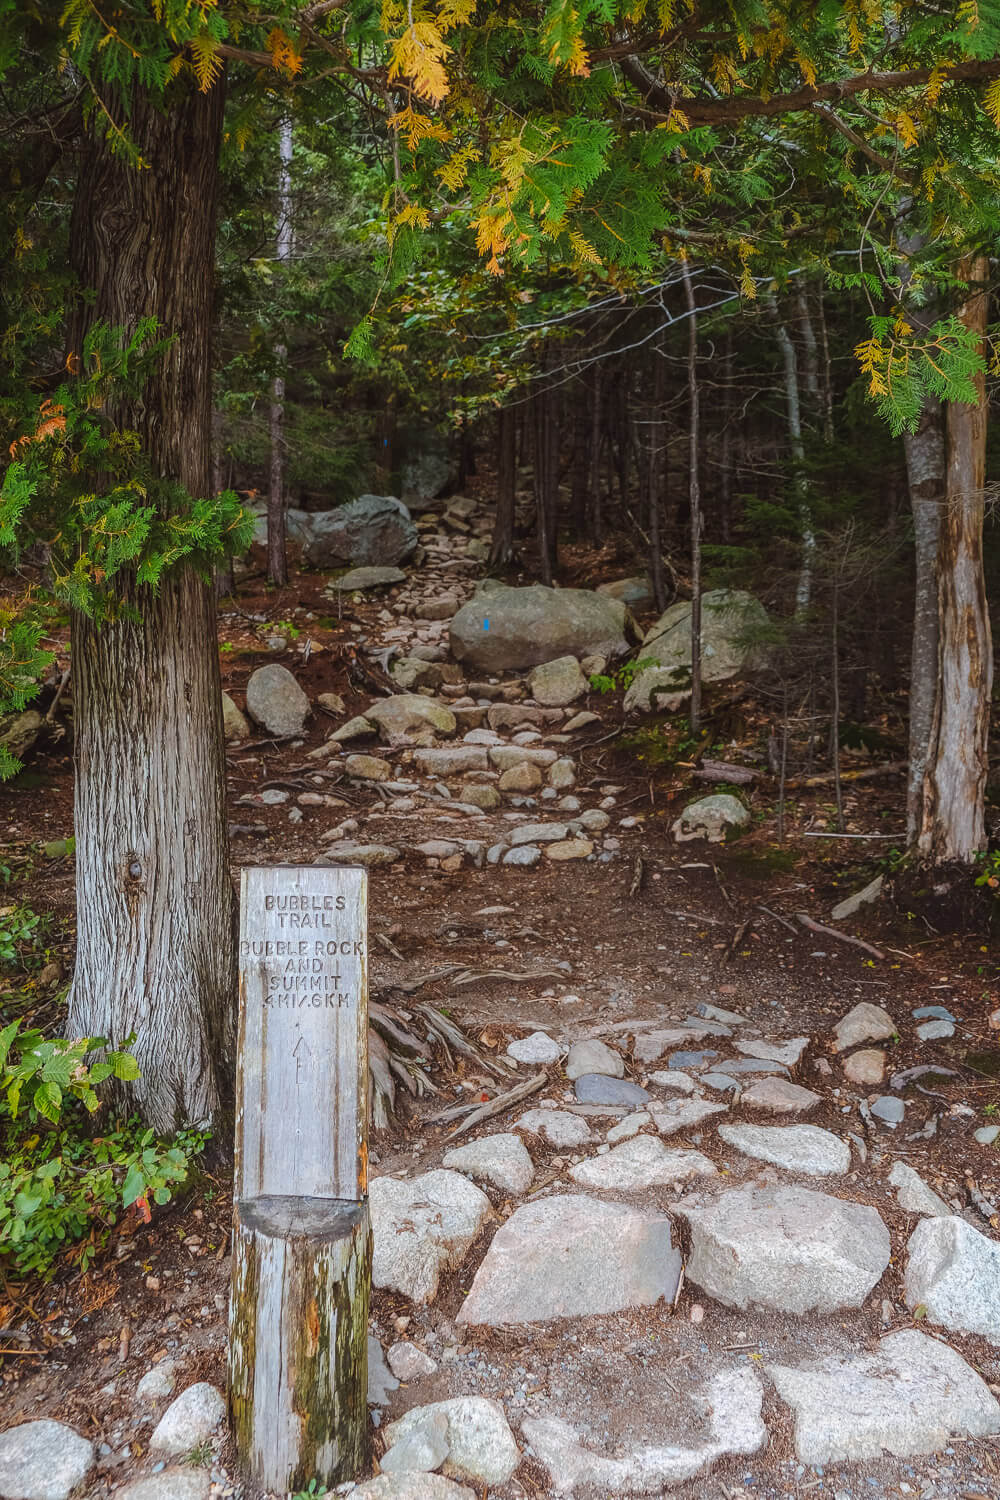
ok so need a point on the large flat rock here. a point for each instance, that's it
(954, 1272)
(567, 1257)
(503, 629)
(642, 1162)
(912, 1395)
(42, 1460)
(422, 1227)
(797, 1148)
(785, 1248)
(732, 1399)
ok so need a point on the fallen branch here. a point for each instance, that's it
(722, 770)
(842, 937)
(888, 768)
(775, 917)
(500, 1103)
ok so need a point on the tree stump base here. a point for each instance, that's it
(298, 1327)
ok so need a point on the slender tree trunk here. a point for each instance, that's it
(925, 469)
(277, 559)
(952, 827)
(596, 526)
(726, 445)
(654, 479)
(803, 591)
(155, 907)
(694, 498)
(541, 479)
(503, 524)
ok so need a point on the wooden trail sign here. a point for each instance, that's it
(301, 1234)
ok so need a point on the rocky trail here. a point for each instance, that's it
(734, 1232)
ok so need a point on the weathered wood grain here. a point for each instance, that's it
(301, 1100)
(298, 1366)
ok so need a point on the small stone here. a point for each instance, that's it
(786, 1248)
(987, 1135)
(556, 1126)
(505, 757)
(913, 1194)
(347, 852)
(536, 1048)
(358, 579)
(189, 1420)
(275, 701)
(953, 1271)
(642, 1162)
(562, 775)
(368, 768)
(406, 714)
(421, 1228)
(453, 761)
(572, 1256)
(476, 794)
(691, 1059)
(852, 904)
(713, 818)
(721, 1082)
(157, 1383)
(788, 1052)
(480, 1444)
(697, 1313)
(593, 1056)
(380, 1381)
(912, 1395)
(500, 1159)
(932, 1013)
(567, 849)
(580, 721)
(407, 1362)
(522, 778)
(274, 796)
(935, 1031)
(683, 1114)
(526, 856)
(889, 1110)
(43, 1460)
(680, 1083)
(358, 728)
(865, 1023)
(779, 1097)
(332, 702)
(866, 1067)
(422, 1450)
(539, 833)
(796, 1148)
(600, 1088)
(594, 820)
(557, 683)
(629, 1127)
(234, 724)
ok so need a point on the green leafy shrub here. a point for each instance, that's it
(59, 1184)
(623, 678)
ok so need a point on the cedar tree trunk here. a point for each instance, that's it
(952, 827)
(155, 925)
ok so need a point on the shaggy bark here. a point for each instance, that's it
(155, 926)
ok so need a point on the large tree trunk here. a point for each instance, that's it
(155, 926)
(952, 825)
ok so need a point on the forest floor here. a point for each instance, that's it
(612, 948)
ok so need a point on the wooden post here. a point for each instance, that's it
(298, 1317)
